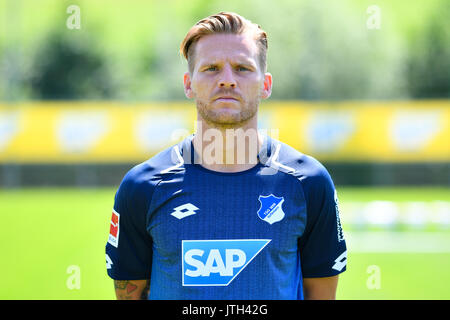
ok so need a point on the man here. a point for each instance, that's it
(213, 217)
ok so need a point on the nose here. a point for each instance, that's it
(226, 79)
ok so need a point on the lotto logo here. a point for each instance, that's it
(217, 262)
(184, 211)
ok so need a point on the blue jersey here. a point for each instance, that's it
(201, 234)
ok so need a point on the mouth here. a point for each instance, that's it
(226, 99)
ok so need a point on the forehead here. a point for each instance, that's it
(219, 47)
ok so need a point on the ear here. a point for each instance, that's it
(267, 86)
(187, 86)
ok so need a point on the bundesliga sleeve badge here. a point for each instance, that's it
(271, 210)
(113, 237)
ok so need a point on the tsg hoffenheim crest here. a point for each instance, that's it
(271, 210)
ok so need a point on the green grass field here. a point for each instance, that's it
(46, 231)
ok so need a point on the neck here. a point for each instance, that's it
(227, 148)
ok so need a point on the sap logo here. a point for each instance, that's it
(217, 262)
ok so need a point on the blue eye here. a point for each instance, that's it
(242, 69)
(212, 68)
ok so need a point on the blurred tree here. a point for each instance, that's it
(428, 63)
(318, 50)
(328, 53)
(67, 66)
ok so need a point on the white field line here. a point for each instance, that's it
(389, 214)
(402, 241)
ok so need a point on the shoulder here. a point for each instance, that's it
(316, 183)
(307, 169)
(139, 182)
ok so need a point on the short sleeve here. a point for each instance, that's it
(129, 246)
(322, 246)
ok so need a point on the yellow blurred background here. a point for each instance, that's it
(110, 132)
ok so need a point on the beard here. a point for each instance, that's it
(228, 117)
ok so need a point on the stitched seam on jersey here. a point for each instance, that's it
(176, 166)
(304, 197)
(163, 177)
(291, 174)
(275, 157)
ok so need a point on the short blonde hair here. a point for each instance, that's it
(223, 22)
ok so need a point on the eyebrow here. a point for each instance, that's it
(237, 63)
